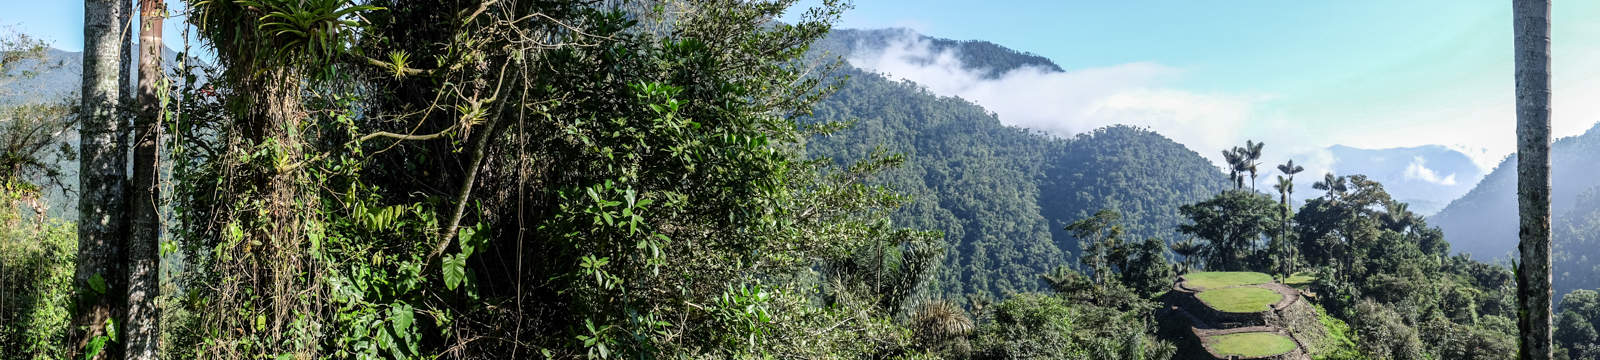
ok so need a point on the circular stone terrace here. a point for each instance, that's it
(1233, 311)
(1250, 343)
(1201, 281)
(1240, 299)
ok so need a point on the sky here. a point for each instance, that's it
(1299, 75)
(60, 22)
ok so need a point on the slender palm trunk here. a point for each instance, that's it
(1532, 24)
(100, 277)
(145, 233)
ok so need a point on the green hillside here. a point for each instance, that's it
(1002, 194)
(1484, 222)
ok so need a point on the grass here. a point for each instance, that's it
(1222, 279)
(1250, 344)
(1240, 299)
(1299, 280)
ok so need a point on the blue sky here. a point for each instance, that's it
(60, 22)
(1364, 73)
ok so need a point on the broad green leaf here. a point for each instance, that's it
(454, 271)
(95, 345)
(98, 284)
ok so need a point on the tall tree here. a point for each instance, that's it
(1285, 186)
(1287, 253)
(1291, 169)
(1532, 25)
(101, 274)
(1232, 223)
(1236, 159)
(1252, 157)
(144, 233)
(1189, 249)
(1099, 236)
(1334, 185)
(1283, 250)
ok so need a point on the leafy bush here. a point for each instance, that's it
(1039, 326)
(36, 267)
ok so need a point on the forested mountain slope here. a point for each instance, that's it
(1484, 222)
(1001, 194)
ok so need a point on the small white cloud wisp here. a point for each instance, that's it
(1418, 170)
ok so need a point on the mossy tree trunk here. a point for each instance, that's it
(1532, 25)
(144, 257)
(100, 279)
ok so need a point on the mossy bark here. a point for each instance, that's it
(1532, 24)
(100, 279)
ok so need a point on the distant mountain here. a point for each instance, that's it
(1001, 194)
(994, 60)
(1426, 177)
(59, 77)
(1484, 221)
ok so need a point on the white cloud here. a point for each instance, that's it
(1477, 120)
(1418, 170)
(1071, 102)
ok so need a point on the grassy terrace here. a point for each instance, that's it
(1250, 344)
(1222, 279)
(1240, 299)
(1299, 280)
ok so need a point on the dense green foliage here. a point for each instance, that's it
(1039, 326)
(1575, 326)
(443, 179)
(1233, 226)
(1483, 222)
(1003, 195)
(36, 264)
(37, 252)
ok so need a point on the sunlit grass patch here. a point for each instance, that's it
(1222, 279)
(1299, 279)
(1240, 299)
(1250, 344)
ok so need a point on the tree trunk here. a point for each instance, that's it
(144, 258)
(1532, 24)
(100, 277)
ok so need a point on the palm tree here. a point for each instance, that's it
(1252, 157)
(143, 323)
(102, 165)
(1284, 251)
(1334, 185)
(939, 324)
(1189, 250)
(1285, 186)
(1235, 160)
(1289, 168)
(1531, 19)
